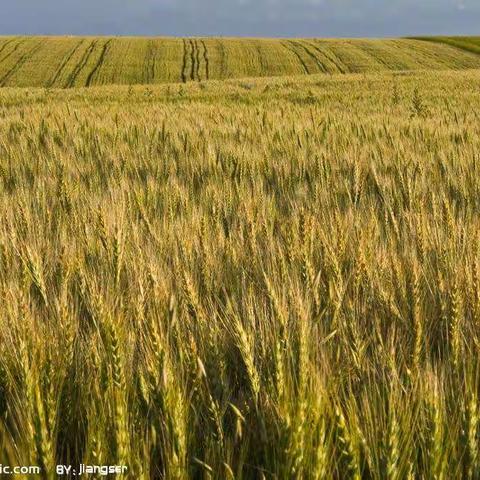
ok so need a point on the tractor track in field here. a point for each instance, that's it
(330, 56)
(263, 65)
(183, 74)
(150, 62)
(197, 58)
(407, 56)
(6, 44)
(320, 65)
(21, 61)
(366, 49)
(79, 67)
(15, 48)
(223, 59)
(291, 47)
(99, 63)
(206, 59)
(64, 63)
(192, 60)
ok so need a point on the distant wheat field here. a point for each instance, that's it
(67, 62)
(271, 279)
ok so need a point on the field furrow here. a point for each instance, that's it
(149, 75)
(72, 80)
(19, 63)
(198, 58)
(291, 46)
(15, 47)
(98, 64)
(64, 64)
(184, 62)
(222, 66)
(333, 63)
(311, 53)
(191, 51)
(6, 43)
(193, 61)
(383, 54)
(355, 58)
(206, 60)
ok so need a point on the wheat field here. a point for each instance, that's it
(66, 62)
(248, 279)
(469, 44)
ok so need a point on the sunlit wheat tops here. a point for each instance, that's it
(262, 279)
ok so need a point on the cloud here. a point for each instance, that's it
(242, 17)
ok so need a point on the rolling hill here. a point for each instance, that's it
(469, 44)
(65, 62)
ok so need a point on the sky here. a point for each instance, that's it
(264, 18)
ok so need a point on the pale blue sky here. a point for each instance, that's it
(321, 18)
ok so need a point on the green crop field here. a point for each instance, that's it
(76, 62)
(469, 44)
(242, 278)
